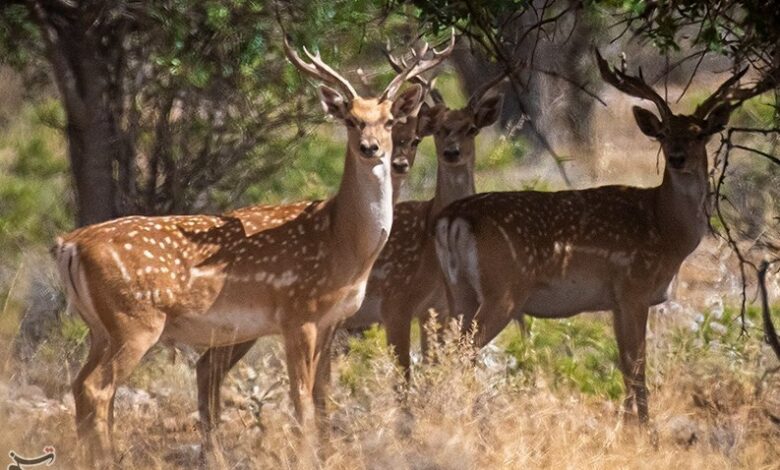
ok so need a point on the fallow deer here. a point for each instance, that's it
(405, 282)
(222, 281)
(406, 138)
(556, 254)
(214, 366)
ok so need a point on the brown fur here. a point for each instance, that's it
(404, 282)
(558, 254)
(222, 281)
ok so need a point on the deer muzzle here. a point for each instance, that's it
(400, 165)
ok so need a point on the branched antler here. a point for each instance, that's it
(319, 69)
(720, 95)
(418, 66)
(486, 86)
(633, 86)
(399, 65)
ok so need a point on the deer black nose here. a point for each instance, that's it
(451, 154)
(400, 165)
(368, 150)
(677, 161)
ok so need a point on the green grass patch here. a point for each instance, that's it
(498, 153)
(363, 351)
(580, 353)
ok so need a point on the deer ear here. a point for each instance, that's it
(428, 119)
(488, 110)
(406, 103)
(717, 119)
(333, 103)
(648, 122)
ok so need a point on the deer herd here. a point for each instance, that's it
(220, 282)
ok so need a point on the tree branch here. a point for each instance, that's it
(770, 334)
(63, 72)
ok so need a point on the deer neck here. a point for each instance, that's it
(362, 213)
(680, 210)
(452, 183)
(398, 184)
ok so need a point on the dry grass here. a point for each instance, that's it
(711, 405)
(548, 400)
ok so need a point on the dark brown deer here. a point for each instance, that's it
(556, 254)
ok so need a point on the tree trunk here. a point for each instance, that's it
(94, 141)
(82, 71)
(96, 145)
(92, 151)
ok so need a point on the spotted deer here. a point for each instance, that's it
(556, 254)
(409, 132)
(405, 282)
(406, 138)
(220, 282)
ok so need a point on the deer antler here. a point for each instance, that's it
(727, 93)
(484, 88)
(399, 65)
(319, 69)
(418, 66)
(633, 86)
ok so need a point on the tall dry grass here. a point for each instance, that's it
(712, 406)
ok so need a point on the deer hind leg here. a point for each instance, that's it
(486, 304)
(398, 326)
(92, 425)
(115, 357)
(425, 339)
(630, 322)
(493, 315)
(456, 252)
(211, 370)
(478, 290)
(87, 402)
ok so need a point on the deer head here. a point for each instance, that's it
(369, 121)
(408, 134)
(455, 131)
(406, 138)
(683, 137)
(681, 198)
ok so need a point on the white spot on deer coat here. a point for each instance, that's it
(287, 278)
(120, 265)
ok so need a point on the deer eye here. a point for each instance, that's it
(389, 123)
(473, 130)
(352, 122)
(416, 142)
